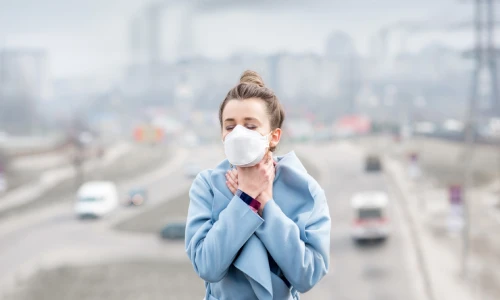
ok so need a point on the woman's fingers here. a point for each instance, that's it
(232, 181)
(272, 170)
(234, 174)
(268, 163)
(273, 166)
(271, 163)
(231, 187)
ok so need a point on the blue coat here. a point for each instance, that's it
(232, 248)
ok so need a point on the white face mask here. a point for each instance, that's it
(245, 147)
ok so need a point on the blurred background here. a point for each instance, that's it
(108, 110)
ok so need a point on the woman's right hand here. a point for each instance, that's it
(254, 180)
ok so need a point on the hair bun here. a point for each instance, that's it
(252, 77)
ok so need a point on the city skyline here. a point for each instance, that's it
(94, 38)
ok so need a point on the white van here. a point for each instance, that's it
(96, 199)
(370, 220)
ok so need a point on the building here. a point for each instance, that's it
(24, 71)
(24, 84)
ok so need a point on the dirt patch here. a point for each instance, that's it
(147, 279)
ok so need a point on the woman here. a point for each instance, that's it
(258, 227)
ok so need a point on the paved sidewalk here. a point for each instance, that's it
(440, 263)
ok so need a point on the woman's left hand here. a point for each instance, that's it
(232, 180)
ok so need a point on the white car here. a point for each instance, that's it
(96, 199)
(370, 216)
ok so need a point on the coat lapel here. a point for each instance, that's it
(222, 194)
(253, 261)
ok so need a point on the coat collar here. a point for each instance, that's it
(253, 259)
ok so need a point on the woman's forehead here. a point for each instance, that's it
(244, 109)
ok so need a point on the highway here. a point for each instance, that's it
(141, 266)
(378, 271)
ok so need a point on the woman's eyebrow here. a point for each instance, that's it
(251, 119)
(246, 119)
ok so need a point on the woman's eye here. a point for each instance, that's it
(251, 127)
(228, 128)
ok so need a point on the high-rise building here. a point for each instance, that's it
(340, 45)
(24, 83)
(24, 72)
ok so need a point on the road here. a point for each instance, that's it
(54, 238)
(370, 272)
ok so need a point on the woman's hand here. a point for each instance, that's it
(254, 180)
(262, 174)
(232, 180)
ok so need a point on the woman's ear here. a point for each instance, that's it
(275, 137)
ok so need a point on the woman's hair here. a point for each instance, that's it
(252, 86)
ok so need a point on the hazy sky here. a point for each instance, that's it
(84, 37)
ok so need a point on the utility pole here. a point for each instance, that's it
(491, 56)
(469, 136)
(484, 55)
